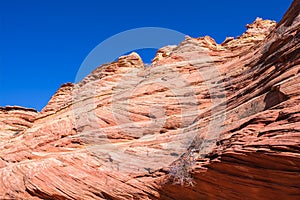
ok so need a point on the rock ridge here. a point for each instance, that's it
(224, 118)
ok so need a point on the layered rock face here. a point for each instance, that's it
(14, 120)
(222, 120)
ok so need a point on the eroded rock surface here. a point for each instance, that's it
(14, 120)
(232, 108)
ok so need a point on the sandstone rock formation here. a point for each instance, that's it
(227, 114)
(14, 120)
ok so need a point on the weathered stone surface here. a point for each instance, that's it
(231, 109)
(61, 99)
(15, 119)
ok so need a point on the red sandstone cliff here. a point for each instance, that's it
(227, 115)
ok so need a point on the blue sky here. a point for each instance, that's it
(43, 43)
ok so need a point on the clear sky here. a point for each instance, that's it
(43, 43)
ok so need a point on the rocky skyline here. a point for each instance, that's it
(203, 121)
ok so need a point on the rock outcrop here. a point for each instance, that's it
(222, 120)
(14, 120)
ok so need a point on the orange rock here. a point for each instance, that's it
(221, 117)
